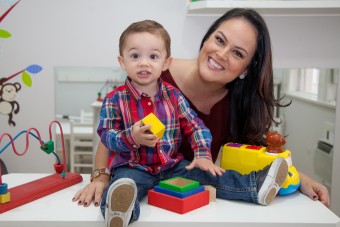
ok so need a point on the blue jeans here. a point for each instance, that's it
(231, 185)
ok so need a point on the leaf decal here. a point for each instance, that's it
(26, 78)
(34, 68)
(4, 34)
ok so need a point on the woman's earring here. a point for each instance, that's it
(242, 76)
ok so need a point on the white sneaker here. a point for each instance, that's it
(274, 178)
(120, 202)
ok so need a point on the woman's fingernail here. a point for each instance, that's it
(96, 204)
(79, 202)
(85, 204)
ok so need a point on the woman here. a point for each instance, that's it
(230, 86)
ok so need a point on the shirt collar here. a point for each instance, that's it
(137, 95)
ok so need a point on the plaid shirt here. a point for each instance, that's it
(124, 106)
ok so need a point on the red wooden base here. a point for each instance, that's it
(178, 205)
(37, 189)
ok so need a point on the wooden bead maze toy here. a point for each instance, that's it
(11, 198)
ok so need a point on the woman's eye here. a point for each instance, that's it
(135, 56)
(219, 40)
(154, 56)
(238, 54)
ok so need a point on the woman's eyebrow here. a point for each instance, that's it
(238, 47)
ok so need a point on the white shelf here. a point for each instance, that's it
(267, 7)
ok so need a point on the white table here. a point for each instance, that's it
(67, 130)
(58, 210)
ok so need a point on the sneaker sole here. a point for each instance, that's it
(280, 177)
(121, 199)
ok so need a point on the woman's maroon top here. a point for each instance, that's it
(216, 121)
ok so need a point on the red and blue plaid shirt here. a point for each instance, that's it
(124, 106)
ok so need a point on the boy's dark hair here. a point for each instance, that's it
(149, 26)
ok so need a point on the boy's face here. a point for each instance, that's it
(144, 58)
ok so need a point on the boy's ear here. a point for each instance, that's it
(121, 61)
(167, 63)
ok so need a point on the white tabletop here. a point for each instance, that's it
(58, 210)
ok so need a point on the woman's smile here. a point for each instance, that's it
(214, 65)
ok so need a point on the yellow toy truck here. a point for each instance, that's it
(245, 158)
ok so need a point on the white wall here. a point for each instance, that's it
(304, 125)
(85, 33)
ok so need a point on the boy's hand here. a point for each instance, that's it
(142, 135)
(206, 165)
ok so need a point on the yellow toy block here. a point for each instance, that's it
(4, 198)
(157, 126)
(245, 158)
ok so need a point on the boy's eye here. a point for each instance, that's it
(135, 56)
(154, 56)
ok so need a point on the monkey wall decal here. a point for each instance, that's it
(8, 91)
(8, 103)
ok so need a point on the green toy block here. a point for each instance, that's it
(179, 184)
(49, 147)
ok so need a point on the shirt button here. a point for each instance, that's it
(134, 146)
(149, 103)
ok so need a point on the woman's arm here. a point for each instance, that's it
(95, 189)
(314, 190)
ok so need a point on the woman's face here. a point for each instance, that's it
(227, 52)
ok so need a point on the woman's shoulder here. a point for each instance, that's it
(179, 66)
(179, 70)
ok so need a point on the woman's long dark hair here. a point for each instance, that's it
(252, 99)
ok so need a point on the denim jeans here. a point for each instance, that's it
(231, 185)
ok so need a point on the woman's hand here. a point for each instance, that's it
(92, 192)
(314, 190)
(205, 165)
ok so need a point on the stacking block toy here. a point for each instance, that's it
(157, 126)
(245, 158)
(178, 195)
(179, 184)
(3, 188)
(5, 195)
(4, 198)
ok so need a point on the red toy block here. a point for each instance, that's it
(178, 205)
(39, 188)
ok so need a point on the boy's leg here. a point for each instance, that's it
(143, 182)
(270, 179)
(120, 202)
(235, 186)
